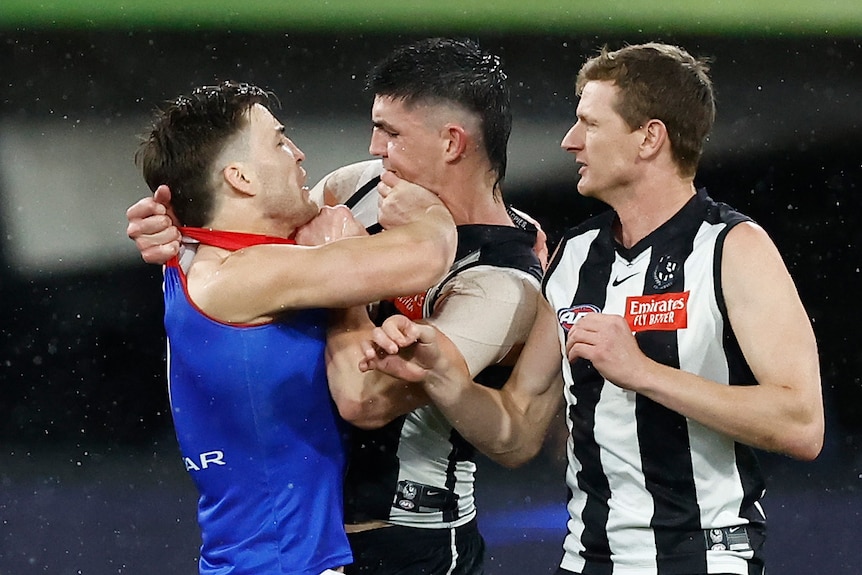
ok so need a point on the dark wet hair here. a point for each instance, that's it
(444, 70)
(186, 137)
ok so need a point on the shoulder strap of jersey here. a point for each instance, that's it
(499, 246)
(365, 189)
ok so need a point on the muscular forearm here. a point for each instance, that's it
(382, 399)
(766, 416)
(490, 419)
(434, 237)
(483, 417)
(367, 400)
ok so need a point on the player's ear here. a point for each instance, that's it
(457, 139)
(237, 176)
(654, 137)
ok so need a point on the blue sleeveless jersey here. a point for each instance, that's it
(260, 436)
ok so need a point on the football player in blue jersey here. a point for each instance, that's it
(246, 314)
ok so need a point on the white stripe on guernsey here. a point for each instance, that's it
(631, 503)
(365, 210)
(566, 274)
(727, 562)
(560, 294)
(454, 551)
(424, 455)
(716, 475)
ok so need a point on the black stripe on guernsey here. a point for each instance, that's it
(372, 475)
(461, 451)
(593, 278)
(740, 372)
(357, 197)
(366, 188)
(667, 465)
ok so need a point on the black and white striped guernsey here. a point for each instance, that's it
(417, 471)
(652, 492)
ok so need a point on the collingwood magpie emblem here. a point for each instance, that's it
(664, 274)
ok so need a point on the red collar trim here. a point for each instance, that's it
(231, 240)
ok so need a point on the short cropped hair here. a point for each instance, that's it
(663, 82)
(443, 70)
(187, 136)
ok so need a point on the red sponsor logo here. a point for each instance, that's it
(662, 312)
(411, 306)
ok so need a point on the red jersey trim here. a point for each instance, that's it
(227, 240)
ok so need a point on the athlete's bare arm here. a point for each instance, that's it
(784, 412)
(371, 399)
(485, 314)
(508, 425)
(260, 282)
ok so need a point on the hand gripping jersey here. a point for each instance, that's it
(417, 471)
(260, 437)
(652, 491)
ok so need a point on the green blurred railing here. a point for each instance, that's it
(726, 17)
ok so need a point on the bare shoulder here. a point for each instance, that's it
(337, 186)
(754, 275)
(748, 246)
(747, 232)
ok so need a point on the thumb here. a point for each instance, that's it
(162, 196)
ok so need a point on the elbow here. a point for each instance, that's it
(807, 442)
(348, 390)
(799, 431)
(348, 402)
(512, 461)
(359, 413)
(513, 457)
(802, 439)
(439, 255)
(366, 411)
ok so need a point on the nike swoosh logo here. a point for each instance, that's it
(618, 281)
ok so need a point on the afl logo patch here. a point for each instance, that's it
(569, 316)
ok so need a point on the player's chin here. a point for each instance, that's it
(587, 188)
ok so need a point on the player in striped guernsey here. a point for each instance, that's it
(673, 330)
(441, 118)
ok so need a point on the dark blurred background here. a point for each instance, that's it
(90, 478)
